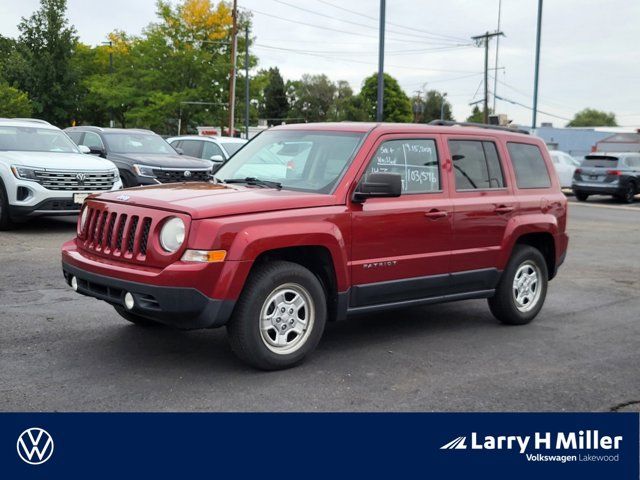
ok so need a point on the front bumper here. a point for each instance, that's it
(181, 307)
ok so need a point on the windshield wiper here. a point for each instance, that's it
(255, 181)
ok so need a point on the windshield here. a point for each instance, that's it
(299, 160)
(33, 139)
(231, 148)
(137, 143)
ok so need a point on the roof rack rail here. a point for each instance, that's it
(32, 120)
(451, 123)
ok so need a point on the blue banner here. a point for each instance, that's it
(299, 446)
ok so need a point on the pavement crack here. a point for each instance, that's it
(620, 406)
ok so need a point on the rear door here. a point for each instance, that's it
(401, 246)
(483, 203)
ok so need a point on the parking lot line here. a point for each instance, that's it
(611, 207)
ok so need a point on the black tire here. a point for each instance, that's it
(5, 218)
(581, 196)
(248, 340)
(135, 319)
(503, 303)
(629, 193)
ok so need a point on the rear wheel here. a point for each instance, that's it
(522, 288)
(5, 219)
(279, 317)
(135, 319)
(581, 196)
(628, 196)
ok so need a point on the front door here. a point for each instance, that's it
(401, 246)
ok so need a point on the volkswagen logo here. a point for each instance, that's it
(187, 174)
(35, 446)
(81, 177)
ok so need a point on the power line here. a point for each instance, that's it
(359, 52)
(453, 38)
(322, 27)
(531, 108)
(324, 15)
(313, 54)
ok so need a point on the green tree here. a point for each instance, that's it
(477, 115)
(397, 106)
(13, 102)
(276, 105)
(433, 105)
(312, 98)
(590, 117)
(45, 47)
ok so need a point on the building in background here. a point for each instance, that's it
(620, 142)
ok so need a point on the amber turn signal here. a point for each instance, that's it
(204, 256)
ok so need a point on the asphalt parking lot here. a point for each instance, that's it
(63, 352)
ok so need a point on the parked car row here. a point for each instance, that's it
(45, 171)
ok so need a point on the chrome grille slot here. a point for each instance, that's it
(76, 181)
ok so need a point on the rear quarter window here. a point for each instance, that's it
(529, 165)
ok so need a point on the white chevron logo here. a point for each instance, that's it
(456, 443)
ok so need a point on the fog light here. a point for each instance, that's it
(129, 302)
(74, 284)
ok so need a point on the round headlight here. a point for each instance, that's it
(172, 234)
(83, 220)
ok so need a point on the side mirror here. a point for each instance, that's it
(378, 185)
(217, 158)
(84, 149)
(96, 151)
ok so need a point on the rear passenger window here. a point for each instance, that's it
(476, 165)
(415, 160)
(528, 163)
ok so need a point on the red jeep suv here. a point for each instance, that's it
(310, 223)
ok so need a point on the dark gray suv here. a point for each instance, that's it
(142, 157)
(616, 174)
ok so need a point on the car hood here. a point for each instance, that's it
(57, 161)
(207, 200)
(162, 161)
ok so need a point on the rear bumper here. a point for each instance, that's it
(181, 307)
(595, 189)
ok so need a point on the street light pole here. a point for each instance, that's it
(537, 67)
(442, 106)
(380, 102)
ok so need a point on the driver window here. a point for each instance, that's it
(92, 140)
(415, 160)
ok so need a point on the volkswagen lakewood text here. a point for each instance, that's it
(311, 223)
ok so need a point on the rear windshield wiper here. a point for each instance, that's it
(255, 181)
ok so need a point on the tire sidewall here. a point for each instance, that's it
(521, 255)
(5, 216)
(247, 319)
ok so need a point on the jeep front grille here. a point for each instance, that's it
(80, 181)
(186, 175)
(116, 234)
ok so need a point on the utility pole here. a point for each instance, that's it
(495, 71)
(484, 40)
(444, 101)
(246, 80)
(232, 81)
(537, 68)
(380, 103)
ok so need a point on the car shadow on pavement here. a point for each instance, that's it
(46, 225)
(163, 349)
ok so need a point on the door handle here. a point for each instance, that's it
(504, 209)
(435, 214)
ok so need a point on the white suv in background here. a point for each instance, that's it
(42, 172)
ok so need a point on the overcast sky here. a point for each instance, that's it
(590, 55)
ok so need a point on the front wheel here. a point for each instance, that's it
(279, 317)
(522, 288)
(5, 218)
(629, 193)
